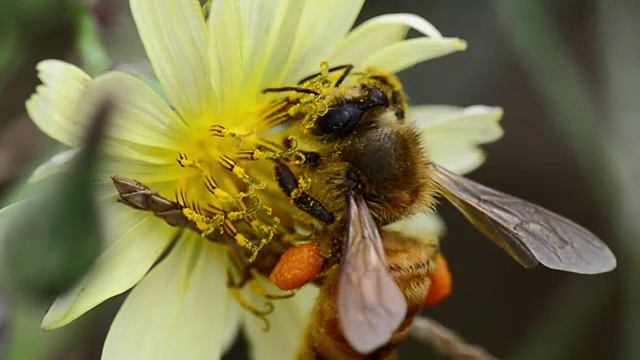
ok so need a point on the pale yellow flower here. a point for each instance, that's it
(212, 72)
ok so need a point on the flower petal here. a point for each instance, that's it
(119, 268)
(452, 134)
(257, 39)
(232, 326)
(287, 326)
(405, 54)
(419, 225)
(143, 134)
(267, 44)
(159, 177)
(178, 310)
(175, 38)
(376, 34)
(139, 119)
(139, 170)
(56, 164)
(271, 28)
(52, 106)
(323, 25)
(226, 51)
(117, 219)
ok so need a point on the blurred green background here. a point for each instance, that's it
(566, 72)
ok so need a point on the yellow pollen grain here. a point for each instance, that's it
(201, 222)
(296, 194)
(304, 183)
(241, 174)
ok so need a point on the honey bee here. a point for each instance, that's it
(368, 168)
(355, 164)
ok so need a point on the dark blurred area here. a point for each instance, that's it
(513, 312)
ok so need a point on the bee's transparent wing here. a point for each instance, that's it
(530, 233)
(371, 306)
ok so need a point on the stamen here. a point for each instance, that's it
(240, 239)
(259, 154)
(231, 165)
(204, 223)
(270, 231)
(221, 131)
(212, 186)
(184, 161)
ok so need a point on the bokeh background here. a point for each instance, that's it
(566, 72)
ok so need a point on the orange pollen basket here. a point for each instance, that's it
(297, 266)
(441, 283)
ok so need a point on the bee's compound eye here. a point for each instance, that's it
(339, 121)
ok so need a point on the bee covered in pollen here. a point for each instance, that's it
(360, 166)
(367, 169)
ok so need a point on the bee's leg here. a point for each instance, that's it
(303, 201)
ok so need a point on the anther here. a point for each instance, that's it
(258, 154)
(238, 171)
(184, 161)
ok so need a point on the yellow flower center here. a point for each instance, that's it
(227, 179)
